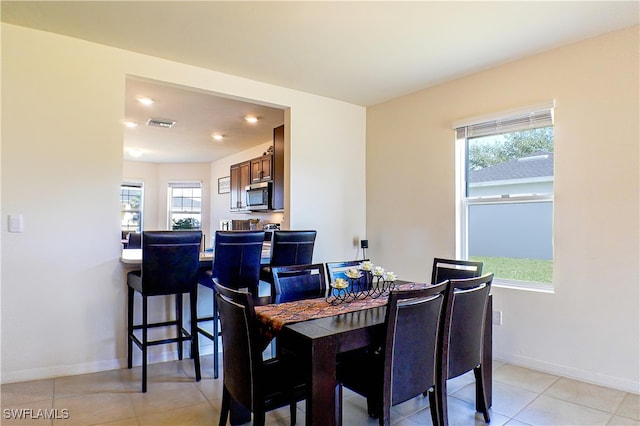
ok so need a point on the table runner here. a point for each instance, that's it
(273, 317)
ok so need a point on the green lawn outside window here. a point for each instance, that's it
(529, 270)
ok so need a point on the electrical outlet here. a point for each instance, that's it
(497, 317)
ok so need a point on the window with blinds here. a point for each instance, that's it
(506, 172)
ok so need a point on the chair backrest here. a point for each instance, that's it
(452, 269)
(236, 260)
(134, 240)
(298, 282)
(292, 247)
(242, 360)
(337, 270)
(469, 304)
(416, 340)
(170, 261)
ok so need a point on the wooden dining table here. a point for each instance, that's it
(320, 340)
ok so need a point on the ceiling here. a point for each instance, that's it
(197, 115)
(363, 52)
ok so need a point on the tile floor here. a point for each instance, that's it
(520, 397)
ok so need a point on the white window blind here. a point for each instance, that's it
(533, 117)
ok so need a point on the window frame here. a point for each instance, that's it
(171, 211)
(464, 202)
(140, 210)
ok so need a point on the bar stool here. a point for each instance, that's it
(170, 262)
(236, 264)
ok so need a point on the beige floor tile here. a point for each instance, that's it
(28, 413)
(106, 381)
(193, 415)
(411, 406)
(460, 413)
(507, 400)
(515, 422)
(630, 407)
(162, 396)
(550, 411)
(125, 422)
(211, 389)
(586, 394)
(623, 421)
(17, 393)
(523, 378)
(95, 408)
(460, 382)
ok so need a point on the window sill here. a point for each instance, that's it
(523, 285)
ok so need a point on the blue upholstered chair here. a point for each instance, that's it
(298, 282)
(289, 248)
(236, 264)
(170, 263)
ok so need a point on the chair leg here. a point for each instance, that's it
(258, 418)
(293, 408)
(440, 396)
(130, 294)
(226, 405)
(433, 405)
(179, 323)
(144, 343)
(195, 347)
(215, 337)
(481, 394)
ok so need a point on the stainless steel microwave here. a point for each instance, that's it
(259, 196)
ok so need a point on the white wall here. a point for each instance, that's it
(156, 178)
(63, 291)
(590, 327)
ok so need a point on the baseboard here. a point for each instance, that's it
(92, 367)
(623, 384)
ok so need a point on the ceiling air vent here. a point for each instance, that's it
(158, 122)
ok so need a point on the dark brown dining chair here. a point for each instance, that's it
(258, 385)
(466, 336)
(298, 282)
(170, 263)
(289, 248)
(236, 264)
(410, 358)
(453, 269)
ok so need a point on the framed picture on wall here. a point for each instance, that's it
(224, 185)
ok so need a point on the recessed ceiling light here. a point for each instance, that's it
(134, 152)
(217, 136)
(251, 119)
(145, 101)
(130, 124)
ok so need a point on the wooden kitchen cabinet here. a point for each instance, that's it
(277, 200)
(261, 169)
(240, 177)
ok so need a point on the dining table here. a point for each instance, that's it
(319, 332)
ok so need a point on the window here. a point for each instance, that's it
(185, 201)
(131, 207)
(506, 196)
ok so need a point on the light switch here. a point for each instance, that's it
(16, 223)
